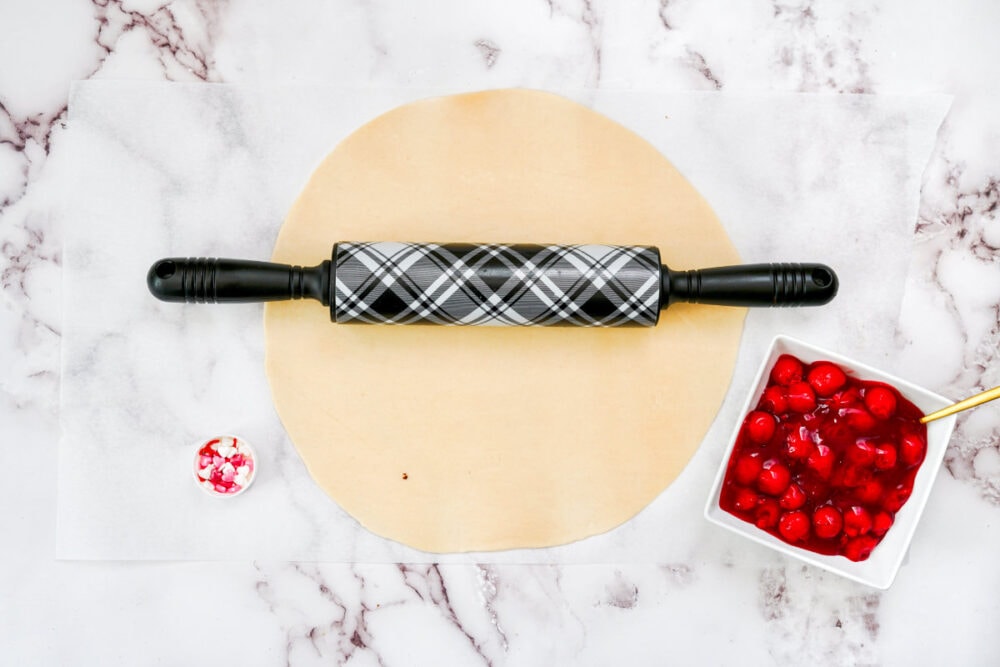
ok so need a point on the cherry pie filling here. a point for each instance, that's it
(826, 460)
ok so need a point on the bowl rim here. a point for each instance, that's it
(882, 572)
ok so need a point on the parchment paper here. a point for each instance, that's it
(152, 170)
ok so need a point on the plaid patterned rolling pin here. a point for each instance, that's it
(492, 284)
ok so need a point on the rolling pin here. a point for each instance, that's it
(491, 284)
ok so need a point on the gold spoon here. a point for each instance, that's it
(971, 402)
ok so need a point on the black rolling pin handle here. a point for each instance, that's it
(213, 280)
(751, 285)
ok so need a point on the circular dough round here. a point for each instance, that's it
(474, 439)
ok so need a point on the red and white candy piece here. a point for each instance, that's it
(224, 466)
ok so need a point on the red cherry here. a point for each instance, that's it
(857, 521)
(881, 402)
(787, 369)
(767, 513)
(885, 457)
(820, 461)
(848, 398)
(869, 492)
(860, 420)
(860, 548)
(860, 453)
(774, 400)
(881, 523)
(897, 497)
(826, 379)
(774, 477)
(852, 476)
(794, 422)
(747, 468)
(836, 432)
(760, 427)
(794, 526)
(817, 490)
(801, 397)
(793, 498)
(798, 444)
(827, 522)
(745, 500)
(912, 449)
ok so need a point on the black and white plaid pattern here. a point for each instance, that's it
(521, 285)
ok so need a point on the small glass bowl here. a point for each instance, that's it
(228, 455)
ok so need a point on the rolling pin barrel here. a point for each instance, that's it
(458, 283)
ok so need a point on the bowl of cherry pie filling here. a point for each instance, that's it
(829, 462)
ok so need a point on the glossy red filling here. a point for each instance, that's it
(825, 461)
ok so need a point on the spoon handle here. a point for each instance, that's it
(971, 402)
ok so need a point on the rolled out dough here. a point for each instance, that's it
(474, 439)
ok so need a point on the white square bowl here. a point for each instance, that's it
(880, 569)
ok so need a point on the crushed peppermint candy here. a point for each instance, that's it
(224, 466)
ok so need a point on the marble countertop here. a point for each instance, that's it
(753, 608)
